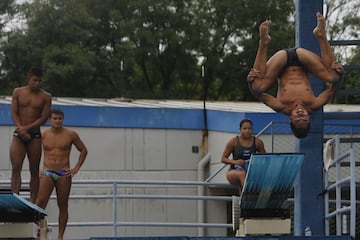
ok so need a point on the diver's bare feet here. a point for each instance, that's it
(319, 30)
(264, 33)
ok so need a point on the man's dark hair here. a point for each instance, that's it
(35, 71)
(56, 111)
(300, 132)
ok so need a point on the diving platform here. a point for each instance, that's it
(20, 219)
(269, 181)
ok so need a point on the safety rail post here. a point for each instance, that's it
(339, 182)
(352, 193)
(336, 143)
(338, 196)
(114, 203)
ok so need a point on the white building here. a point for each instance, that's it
(154, 140)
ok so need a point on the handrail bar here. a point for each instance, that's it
(114, 184)
(338, 159)
(138, 182)
(338, 183)
(143, 196)
(336, 212)
(265, 128)
(151, 224)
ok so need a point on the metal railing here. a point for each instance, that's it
(350, 144)
(114, 196)
(348, 181)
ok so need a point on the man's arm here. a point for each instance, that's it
(44, 113)
(251, 77)
(266, 98)
(19, 128)
(324, 97)
(273, 103)
(15, 108)
(80, 146)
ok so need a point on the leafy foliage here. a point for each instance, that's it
(172, 49)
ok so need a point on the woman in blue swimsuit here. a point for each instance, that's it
(241, 147)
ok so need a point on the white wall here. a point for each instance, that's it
(139, 154)
(130, 154)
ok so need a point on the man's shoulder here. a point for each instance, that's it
(68, 132)
(20, 89)
(64, 131)
(46, 93)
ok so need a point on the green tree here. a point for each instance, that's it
(343, 23)
(7, 10)
(145, 48)
(228, 41)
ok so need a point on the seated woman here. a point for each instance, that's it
(241, 147)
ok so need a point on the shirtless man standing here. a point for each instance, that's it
(30, 108)
(57, 173)
(291, 67)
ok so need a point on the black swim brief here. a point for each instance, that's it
(292, 58)
(36, 134)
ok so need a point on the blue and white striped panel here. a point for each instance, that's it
(270, 179)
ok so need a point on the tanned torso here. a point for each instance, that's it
(30, 104)
(57, 147)
(295, 88)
